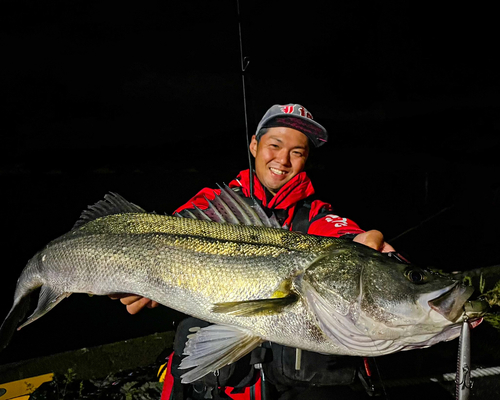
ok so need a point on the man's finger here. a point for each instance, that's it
(387, 248)
(137, 305)
(375, 240)
(153, 304)
(128, 300)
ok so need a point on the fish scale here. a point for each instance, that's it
(321, 294)
(180, 278)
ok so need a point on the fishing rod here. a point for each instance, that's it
(244, 61)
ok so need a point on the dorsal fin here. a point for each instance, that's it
(228, 207)
(112, 204)
(253, 216)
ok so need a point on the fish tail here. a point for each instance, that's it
(16, 314)
(29, 281)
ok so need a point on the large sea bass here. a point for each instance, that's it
(255, 283)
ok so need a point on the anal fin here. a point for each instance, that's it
(214, 347)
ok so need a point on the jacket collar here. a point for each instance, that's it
(296, 189)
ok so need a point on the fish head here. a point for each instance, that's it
(378, 299)
(405, 293)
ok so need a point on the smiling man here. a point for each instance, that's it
(281, 147)
(280, 155)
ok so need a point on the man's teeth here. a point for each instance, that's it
(277, 171)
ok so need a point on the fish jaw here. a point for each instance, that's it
(451, 303)
(441, 311)
(426, 317)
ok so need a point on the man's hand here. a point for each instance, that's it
(134, 303)
(375, 240)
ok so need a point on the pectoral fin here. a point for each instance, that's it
(214, 347)
(47, 300)
(282, 297)
(255, 307)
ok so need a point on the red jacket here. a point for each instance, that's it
(324, 221)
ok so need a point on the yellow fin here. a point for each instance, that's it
(283, 290)
(254, 307)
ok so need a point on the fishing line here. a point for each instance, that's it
(420, 224)
(244, 61)
(381, 381)
(382, 385)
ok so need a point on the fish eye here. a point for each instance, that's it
(415, 275)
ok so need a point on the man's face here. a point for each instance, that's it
(279, 156)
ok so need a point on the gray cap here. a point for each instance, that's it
(296, 117)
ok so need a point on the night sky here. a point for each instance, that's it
(145, 99)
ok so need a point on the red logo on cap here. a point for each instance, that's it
(305, 113)
(287, 109)
(302, 111)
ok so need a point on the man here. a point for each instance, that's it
(281, 147)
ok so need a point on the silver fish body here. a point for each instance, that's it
(256, 284)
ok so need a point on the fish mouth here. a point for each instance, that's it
(451, 304)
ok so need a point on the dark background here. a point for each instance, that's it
(145, 99)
